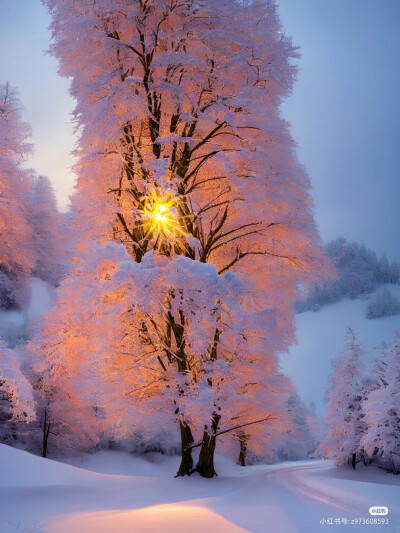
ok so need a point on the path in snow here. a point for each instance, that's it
(43, 496)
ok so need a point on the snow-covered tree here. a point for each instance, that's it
(383, 304)
(259, 441)
(16, 396)
(382, 412)
(65, 343)
(46, 225)
(16, 254)
(186, 161)
(359, 272)
(173, 312)
(344, 415)
(299, 439)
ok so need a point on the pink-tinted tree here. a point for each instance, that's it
(17, 405)
(17, 258)
(46, 226)
(66, 342)
(184, 159)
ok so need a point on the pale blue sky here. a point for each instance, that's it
(24, 38)
(345, 114)
(345, 110)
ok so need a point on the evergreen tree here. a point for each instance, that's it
(46, 225)
(382, 412)
(300, 433)
(344, 416)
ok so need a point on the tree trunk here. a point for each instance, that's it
(205, 465)
(353, 461)
(186, 467)
(243, 449)
(46, 431)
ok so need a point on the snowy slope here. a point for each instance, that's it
(320, 337)
(43, 496)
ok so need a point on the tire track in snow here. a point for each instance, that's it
(291, 478)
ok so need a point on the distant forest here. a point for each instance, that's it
(359, 272)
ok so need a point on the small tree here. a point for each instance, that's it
(343, 394)
(16, 396)
(299, 439)
(65, 343)
(382, 412)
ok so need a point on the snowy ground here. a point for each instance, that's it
(113, 492)
(320, 337)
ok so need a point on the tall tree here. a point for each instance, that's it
(46, 225)
(183, 153)
(16, 254)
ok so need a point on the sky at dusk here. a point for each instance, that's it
(345, 109)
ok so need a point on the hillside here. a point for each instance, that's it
(320, 337)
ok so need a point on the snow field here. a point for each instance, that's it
(116, 492)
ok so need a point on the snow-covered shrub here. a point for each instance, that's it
(383, 304)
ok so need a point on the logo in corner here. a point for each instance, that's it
(378, 511)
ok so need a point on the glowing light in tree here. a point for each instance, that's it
(162, 221)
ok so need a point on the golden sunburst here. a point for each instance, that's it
(161, 219)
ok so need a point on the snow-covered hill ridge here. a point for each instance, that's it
(43, 496)
(320, 337)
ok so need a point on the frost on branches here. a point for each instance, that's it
(363, 417)
(29, 220)
(344, 416)
(16, 258)
(185, 161)
(381, 441)
(47, 231)
(16, 395)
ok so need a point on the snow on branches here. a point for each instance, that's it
(343, 394)
(382, 412)
(185, 161)
(16, 395)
